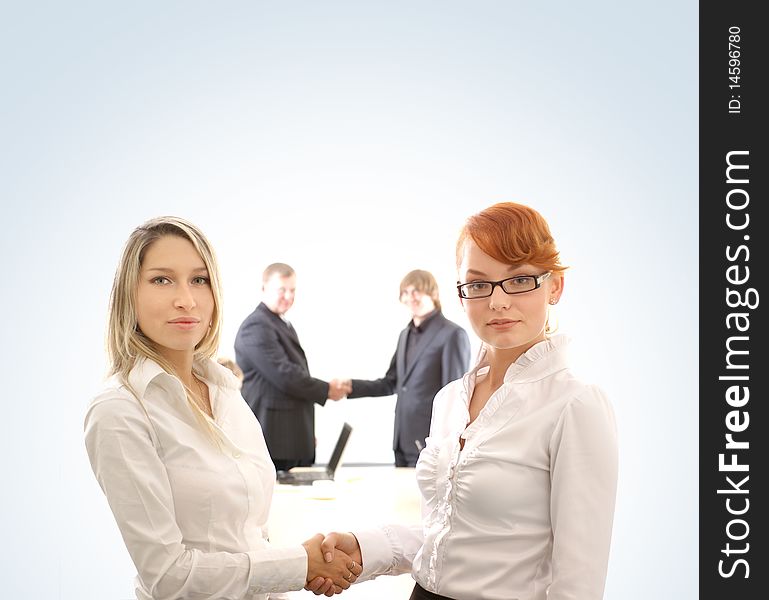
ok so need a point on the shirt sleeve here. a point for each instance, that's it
(389, 550)
(133, 477)
(583, 452)
(364, 388)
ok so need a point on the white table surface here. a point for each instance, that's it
(359, 498)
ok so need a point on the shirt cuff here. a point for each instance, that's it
(377, 553)
(277, 570)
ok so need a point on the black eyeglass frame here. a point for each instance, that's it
(538, 279)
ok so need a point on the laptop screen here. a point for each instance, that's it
(336, 455)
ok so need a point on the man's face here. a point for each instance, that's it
(278, 293)
(419, 303)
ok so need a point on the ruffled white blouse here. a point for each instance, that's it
(524, 510)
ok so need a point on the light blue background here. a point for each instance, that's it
(349, 139)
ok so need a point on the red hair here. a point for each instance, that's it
(512, 234)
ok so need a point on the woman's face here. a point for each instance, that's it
(506, 321)
(174, 301)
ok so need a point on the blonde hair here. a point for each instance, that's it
(126, 343)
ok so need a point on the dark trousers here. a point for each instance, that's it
(286, 464)
(406, 459)
(421, 593)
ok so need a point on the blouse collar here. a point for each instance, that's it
(146, 370)
(541, 360)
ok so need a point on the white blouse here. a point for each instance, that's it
(524, 511)
(192, 515)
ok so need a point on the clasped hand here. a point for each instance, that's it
(339, 553)
(339, 388)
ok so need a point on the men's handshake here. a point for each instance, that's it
(335, 547)
(339, 388)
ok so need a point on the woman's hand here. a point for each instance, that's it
(331, 573)
(346, 542)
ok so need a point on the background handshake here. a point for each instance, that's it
(339, 388)
(334, 563)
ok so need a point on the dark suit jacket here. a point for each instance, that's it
(277, 384)
(444, 357)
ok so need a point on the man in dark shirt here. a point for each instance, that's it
(431, 352)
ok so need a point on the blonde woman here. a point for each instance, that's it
(176, 450)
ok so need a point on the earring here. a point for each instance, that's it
(553, 301)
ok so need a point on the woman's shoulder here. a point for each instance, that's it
(114, 389)
(578, 384)
(570, 387)
(115, 402)
(582, 403)
(115, 422)
(448, 396)
(452, 389)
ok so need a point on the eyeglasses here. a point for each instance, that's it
(519, 284)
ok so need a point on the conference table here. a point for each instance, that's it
(360, 497)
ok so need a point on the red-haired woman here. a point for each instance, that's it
(518, 476)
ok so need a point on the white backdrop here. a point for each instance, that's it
(350, 140)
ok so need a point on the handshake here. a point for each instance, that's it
(334, 562)
(339, 388)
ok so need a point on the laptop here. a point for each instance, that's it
(307, 475)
